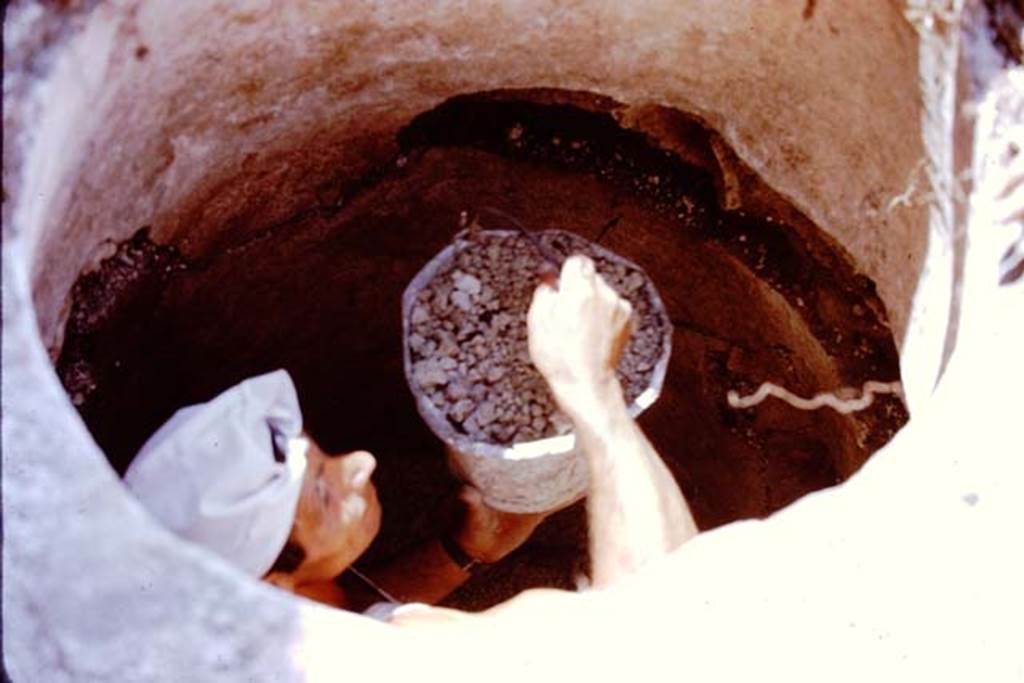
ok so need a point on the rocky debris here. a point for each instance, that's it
(98, 294)
(467, 336)
(125, 281)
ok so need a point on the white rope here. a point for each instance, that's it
(829, 399)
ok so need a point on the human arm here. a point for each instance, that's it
(428, 573)
(635, 509)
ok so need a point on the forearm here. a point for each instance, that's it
(576, 332)
(427, 574)
(635, 509)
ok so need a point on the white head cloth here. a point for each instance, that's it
(210, 473)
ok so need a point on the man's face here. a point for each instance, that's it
(338, 514)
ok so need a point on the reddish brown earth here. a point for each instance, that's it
(320, 295)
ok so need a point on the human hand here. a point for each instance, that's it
(577, 333)
(488, 535)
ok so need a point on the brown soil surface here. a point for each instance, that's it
(754, 294)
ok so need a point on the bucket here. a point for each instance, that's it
(530, 476)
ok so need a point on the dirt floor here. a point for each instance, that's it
(753, 296)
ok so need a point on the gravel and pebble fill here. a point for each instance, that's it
(467, 336)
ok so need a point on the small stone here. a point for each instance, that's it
(634, 282)
(485, 413)
(461, 410)
(501, 321)
(494, 373)
(447, 347)
(419, 315)
(504, 433)
(428, 374)
(416, 342)
(456, 391)
(461, 300)
(467, 283)
(440, 301)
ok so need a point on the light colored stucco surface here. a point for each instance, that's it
(808, 102)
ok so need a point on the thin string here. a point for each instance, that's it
(380, 591)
